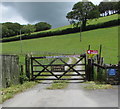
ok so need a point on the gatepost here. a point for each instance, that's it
(90, 67)
(90, 72)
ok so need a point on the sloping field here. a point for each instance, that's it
(92, 22)
(70, 44)
(89, 22)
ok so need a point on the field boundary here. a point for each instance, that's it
(63, 32)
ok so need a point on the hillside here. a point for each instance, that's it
(92, 22)
(102, 22)
(70, 43)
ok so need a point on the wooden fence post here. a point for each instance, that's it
(21, 74)
(89, 47)
(100, 50)
(99, 70)
(27, 66)
(97, 67)
(119, 72)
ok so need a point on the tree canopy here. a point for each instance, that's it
(10, 29)
(107, 8)
(42, 26)
(28, 29)
(82, 11)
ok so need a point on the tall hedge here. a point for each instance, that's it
(64, 31)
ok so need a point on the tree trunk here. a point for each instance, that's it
(84, 24)
(104, 14)
(107, 13)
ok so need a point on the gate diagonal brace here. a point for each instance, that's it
(71, 67)
(45, 68)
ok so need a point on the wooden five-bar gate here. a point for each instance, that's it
(56, 68)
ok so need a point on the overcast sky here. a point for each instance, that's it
(53, 13)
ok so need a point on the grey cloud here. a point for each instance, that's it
(52, 12)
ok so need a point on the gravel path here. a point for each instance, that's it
(75, 84)
(73, 96)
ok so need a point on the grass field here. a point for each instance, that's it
(70, 43)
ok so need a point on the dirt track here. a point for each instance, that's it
(73, 96)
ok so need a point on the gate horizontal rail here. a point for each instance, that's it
(59, 79)
(105, 67)
(62, 71)
(60, 75)
(63, 56)
(59, 65)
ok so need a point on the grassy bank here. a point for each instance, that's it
(94, 86)
(8, 93)
(58, 84)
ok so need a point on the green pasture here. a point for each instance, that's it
(70, 44)
(103, 19)
(89, 22)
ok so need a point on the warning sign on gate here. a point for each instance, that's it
(92, 53)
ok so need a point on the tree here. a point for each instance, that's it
(118, 6)
(28, 29)
(113, 7)
(5, 31)
(107, 8)
(15, 27)
(102, 8)
(42, 26)
(71, 18)
(82, 11)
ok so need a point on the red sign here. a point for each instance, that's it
(92, 51)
